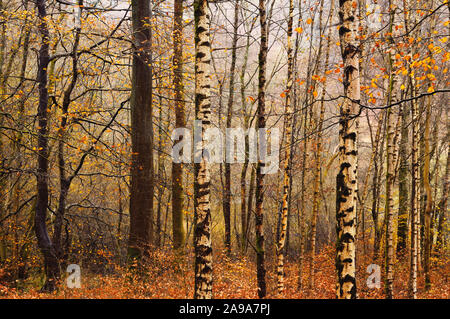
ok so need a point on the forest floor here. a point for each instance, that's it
(236, 278)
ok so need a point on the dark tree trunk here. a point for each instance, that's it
(259, 215)
(402, 219)
(227, 190)
(177, 168)
(141, 191)
(51, 262)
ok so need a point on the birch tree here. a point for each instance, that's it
(346, 179)
(287, 155)
(202, 210)
(261, 123)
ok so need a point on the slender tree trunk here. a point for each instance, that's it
(227, 190)
(260, 252)
(412, 291)
(389, 206)
(177, 168)
(287, 156)
(414, 200)
(202, 212)
(376, 187)
(428, 242)
(244, 207)
(302, 213)
(429, 200)
(443, 206)
(17, 190)
(51, 262)
(161, 168)
(318, 155)
(402, 219)
(251, 197)
(390, 159)
(346, 181)
(64, 181)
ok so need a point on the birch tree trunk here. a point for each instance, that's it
(414, 200)
(202, 212)
(259, 195)
(402, 219)
(287, 155)
(390, 157)
(346, 180)
(412, 291)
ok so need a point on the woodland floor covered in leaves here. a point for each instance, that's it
(234, 277)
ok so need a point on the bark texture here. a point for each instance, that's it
(287, 156)
(261, 123)
(177, 168)
(141, 190)
(202, 213)
(51, 263)
(346, 180)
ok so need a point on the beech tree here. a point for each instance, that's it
(51, 262)
(141, 189)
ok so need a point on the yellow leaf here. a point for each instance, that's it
(309, 21)
(299, 29)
